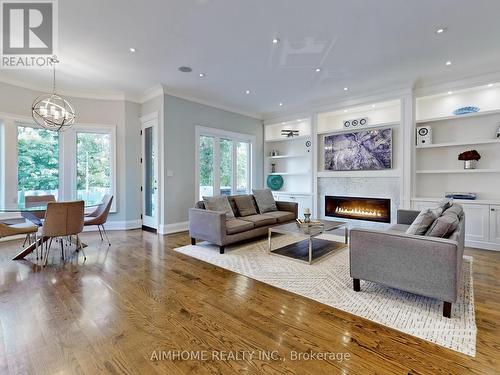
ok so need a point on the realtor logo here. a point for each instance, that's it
(29, 33)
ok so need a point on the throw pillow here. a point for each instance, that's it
(456, 209)
(423, 221)
(446, 203)
(219, 203)
(265, 200)
(443, 226)
(245, 205)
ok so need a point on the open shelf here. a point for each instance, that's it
(288, 139)
(361, 128)
(466, 201)
(445, 171)
(465, 143)
(288, 156)
(458, 117)
(290, 174)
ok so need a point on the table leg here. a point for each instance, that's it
(269, 241)
(30, 248)
(346, 235)
(310, 249)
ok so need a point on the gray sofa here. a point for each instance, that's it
(419, 264)
(213, 227)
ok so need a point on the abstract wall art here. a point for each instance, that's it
(359, 151)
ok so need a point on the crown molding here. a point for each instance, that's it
(151, 93)
(172, 92)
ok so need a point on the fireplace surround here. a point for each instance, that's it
(358, 208)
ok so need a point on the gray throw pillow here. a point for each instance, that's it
(446, 203)
(265, 200)
(245, 204)
(456, 209)
(443, 226)
(423, 221)
(219, 203)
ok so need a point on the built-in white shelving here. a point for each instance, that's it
(461, 201)
(459, 117)
(290, 173)
(464, 143)
(452, 171)
(289, 156)
(361, 128)
(287, 139)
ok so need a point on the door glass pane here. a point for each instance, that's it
(206, 167)
(149, 177)
(93, 166)
(38, 162)
(242, 170)
(226, 166)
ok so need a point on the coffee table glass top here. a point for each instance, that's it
(313, 230)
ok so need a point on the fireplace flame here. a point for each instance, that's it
(360, 212)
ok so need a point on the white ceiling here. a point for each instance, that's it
(365, 45)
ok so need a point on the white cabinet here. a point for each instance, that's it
(477, 222)
(495, 224)
(304, 201)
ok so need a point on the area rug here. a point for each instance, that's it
(328, 282)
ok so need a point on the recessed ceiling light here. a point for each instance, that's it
(448, 63)
(317, 70)
(490, 85)
(345, 110)
(201, 75)
(281, 104)
(185, 69)
(373, 105)
(346, 88)
(247, 92)
(276, 40)
(132, 49)
(450, 92)
(441, 30)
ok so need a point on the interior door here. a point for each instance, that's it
(149, 186)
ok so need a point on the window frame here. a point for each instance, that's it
(235, 137)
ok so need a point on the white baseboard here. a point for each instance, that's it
(117, 225)
(483, 245)
(173, 228)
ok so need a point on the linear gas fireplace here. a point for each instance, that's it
(370, 209)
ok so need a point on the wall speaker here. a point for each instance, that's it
(357, 122)
(424, 135)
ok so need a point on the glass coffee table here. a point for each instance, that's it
(311, 248)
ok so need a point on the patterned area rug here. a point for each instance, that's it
(328, 282)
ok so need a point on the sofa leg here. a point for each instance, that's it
(193, 241)
(447, 309)
(356, 284)
(221, 249)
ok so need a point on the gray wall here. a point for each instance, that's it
(181, 117)
(123, 114)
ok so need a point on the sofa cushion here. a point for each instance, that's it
(265, 200)
(443, 226)
(423, 221)
(282, 216)
(219, 203)
(261, 220)
(446, 203)
(456, 209)
(246, 205)
(399, 227)
(237, 226)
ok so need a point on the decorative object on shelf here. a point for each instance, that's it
(307, 215)
(498, 132)
(457, 195)
(356, 122)
(469, 158)
(274, 182)
(424, 135)
(360, 151)
(289, 133)
(274, 153)
(273, 168)
(52, 111)
(465, 110)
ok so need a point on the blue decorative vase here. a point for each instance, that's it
(465, 110)
(274, 182)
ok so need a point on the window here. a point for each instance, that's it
(224, 162)
(38, 162)
(93, 165)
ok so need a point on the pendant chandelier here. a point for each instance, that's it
(52, 111)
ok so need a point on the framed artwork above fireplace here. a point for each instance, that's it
(359, 151)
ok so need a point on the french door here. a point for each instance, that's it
(149, 186)
(224, 163)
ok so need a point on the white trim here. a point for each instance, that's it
(483, 245)
(174, 228)
(116, 225)
(149, 117)
(152, 93)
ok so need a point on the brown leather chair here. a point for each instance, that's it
(36, 200)
(28, 229)
(63, 219)
(100, 216)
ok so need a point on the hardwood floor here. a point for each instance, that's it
(126, 305)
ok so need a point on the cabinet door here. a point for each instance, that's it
(477, 222)
(495, 224)
(304, 201)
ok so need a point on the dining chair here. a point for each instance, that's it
(63, 219)
(36, 217)
(7, 230)
(100, 216)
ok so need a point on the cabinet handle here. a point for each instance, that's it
(492, 209)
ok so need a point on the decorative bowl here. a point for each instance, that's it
(465, 110)
(274, 182)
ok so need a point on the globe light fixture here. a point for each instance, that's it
(52, 111)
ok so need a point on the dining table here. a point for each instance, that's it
(33, 212)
